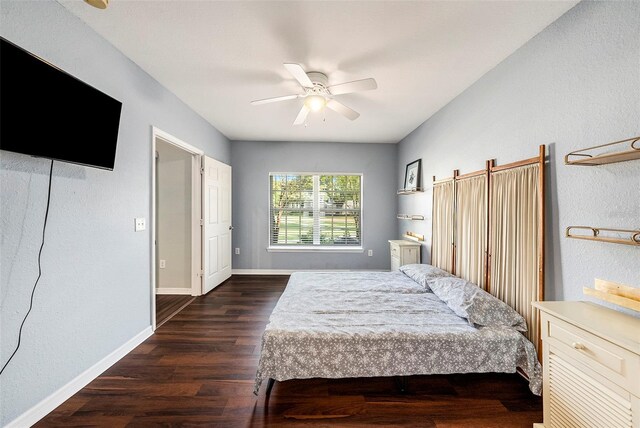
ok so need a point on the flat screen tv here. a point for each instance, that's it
(48, 113)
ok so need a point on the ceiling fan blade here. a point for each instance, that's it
(355, 86)
(274, 99)
(298, 72)
(302, 116)
(343, 110)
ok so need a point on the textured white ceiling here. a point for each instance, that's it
(218, 56)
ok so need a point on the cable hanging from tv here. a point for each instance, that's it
(35, 285)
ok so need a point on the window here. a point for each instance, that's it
(315, 210)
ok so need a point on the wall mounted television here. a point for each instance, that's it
(46, 112)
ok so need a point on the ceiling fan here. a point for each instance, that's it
(318, 95)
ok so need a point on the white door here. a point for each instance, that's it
(216, 204)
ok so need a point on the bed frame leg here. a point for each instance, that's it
(270, 384)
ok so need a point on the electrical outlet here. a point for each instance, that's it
(370, 253)
(163, 264)
(141, 224)
(237, 251)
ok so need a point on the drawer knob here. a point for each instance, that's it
(577, 345)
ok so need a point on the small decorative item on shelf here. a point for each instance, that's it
(615, 236)
(412, 176)
(625, 150)
(410, 217)
(410, 191)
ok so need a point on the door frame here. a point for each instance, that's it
(196, 214)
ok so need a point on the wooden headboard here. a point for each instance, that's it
(488, 228)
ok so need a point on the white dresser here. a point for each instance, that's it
(591, 363)
(404, 253)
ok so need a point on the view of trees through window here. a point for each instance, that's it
(315, 209)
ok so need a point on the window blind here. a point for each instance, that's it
(315, 209)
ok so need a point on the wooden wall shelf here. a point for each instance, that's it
(618, 294)
(630, 237)
(410, 191)
(409, 217)
(414, 236)
(628, 150)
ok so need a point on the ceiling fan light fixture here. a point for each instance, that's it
(315, 102)
(317, 95)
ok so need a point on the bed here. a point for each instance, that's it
(370, 324)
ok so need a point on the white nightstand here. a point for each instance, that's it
(404, 253)
(591, 361)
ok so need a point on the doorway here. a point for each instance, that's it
(191, 225)
(177, 233)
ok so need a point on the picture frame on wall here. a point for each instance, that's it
(412, 175)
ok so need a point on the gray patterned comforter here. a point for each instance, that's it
(357, 324)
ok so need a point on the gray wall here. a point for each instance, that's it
(252, 162)
(574, 85)
(94, 294)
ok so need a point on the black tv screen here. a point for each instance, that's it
(48, 113)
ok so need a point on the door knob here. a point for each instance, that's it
(230, 227)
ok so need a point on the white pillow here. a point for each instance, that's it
(480, 308)
(423, 274)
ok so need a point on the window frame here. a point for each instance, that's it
(288, 248)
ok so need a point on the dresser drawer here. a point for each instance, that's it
(606, 358)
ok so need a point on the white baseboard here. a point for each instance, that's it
(175, 290)
(46, 406)
(290, 271)
(261, 272)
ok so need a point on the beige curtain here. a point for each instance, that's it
(442, 241)
(471, 229)
(514, 241)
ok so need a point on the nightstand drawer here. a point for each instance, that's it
(614, 362)
(395, 251)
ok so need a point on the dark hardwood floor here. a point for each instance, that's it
(198, 370)
(168, 305)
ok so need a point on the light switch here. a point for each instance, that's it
(370, 253)
(237, 251)
(141, 224)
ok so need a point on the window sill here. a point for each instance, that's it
(308, 249)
